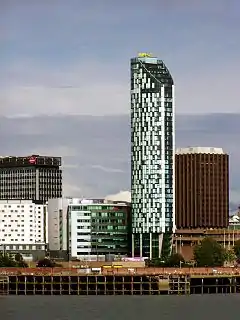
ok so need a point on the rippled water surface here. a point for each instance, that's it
(194, 307)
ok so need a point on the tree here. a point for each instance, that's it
(7, 261)
(45, 263)
(18, 257)
(155, 263)
(209, 253)
(230, 256)
(20, 263)
(238, 261)
(236, 248)
(175, 260)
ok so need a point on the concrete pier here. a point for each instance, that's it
(177, 282)
(96, 285)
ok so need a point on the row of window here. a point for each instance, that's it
(22, 216)
(22, 247)
(22, 226)
(19, 206)
(18, 240)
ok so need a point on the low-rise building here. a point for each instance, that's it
(88, 229)
(23, 228)
(234, 221)
(186, 239)
(98, 229)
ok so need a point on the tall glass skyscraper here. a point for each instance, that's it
(152, 157)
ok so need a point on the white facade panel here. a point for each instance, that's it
(57, 223)
(80, 232)
(22, 222)
(206, 150)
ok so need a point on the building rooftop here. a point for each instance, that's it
(97, 202)
(211, 150)
(234, 219)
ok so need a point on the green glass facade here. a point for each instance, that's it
(109, 228)
(98, 229)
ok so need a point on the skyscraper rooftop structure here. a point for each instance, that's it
(152, 156)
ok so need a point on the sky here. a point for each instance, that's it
(95, 150)
(72, 57)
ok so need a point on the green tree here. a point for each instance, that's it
(209, 253)
(236, 248)
(230, 256)
(46, 263)
(155, 263)
(175, 260)
(20, 263)
(18, 257)
(7, 261)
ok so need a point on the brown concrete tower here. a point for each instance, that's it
(202, 188)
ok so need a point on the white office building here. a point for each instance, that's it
(69, 229)
(23, 228)
(87, 229)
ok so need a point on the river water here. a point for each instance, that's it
(220, 307)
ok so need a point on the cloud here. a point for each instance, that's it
(81, 89)
(69, 166)
(95, 89)
(104, 143)
(105, 169)
(72, 58)
(124, 196)
(197, 5)
(87, 99)
(56, 151)
(71, 190)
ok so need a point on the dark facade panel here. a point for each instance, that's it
(202, 190)
(30, 178)
(33, 160)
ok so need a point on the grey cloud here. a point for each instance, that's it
(95, 88)
(69, 166)
(204, 5)
(105, 169)
(104, 142)
(31, 90)
(65, 61)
